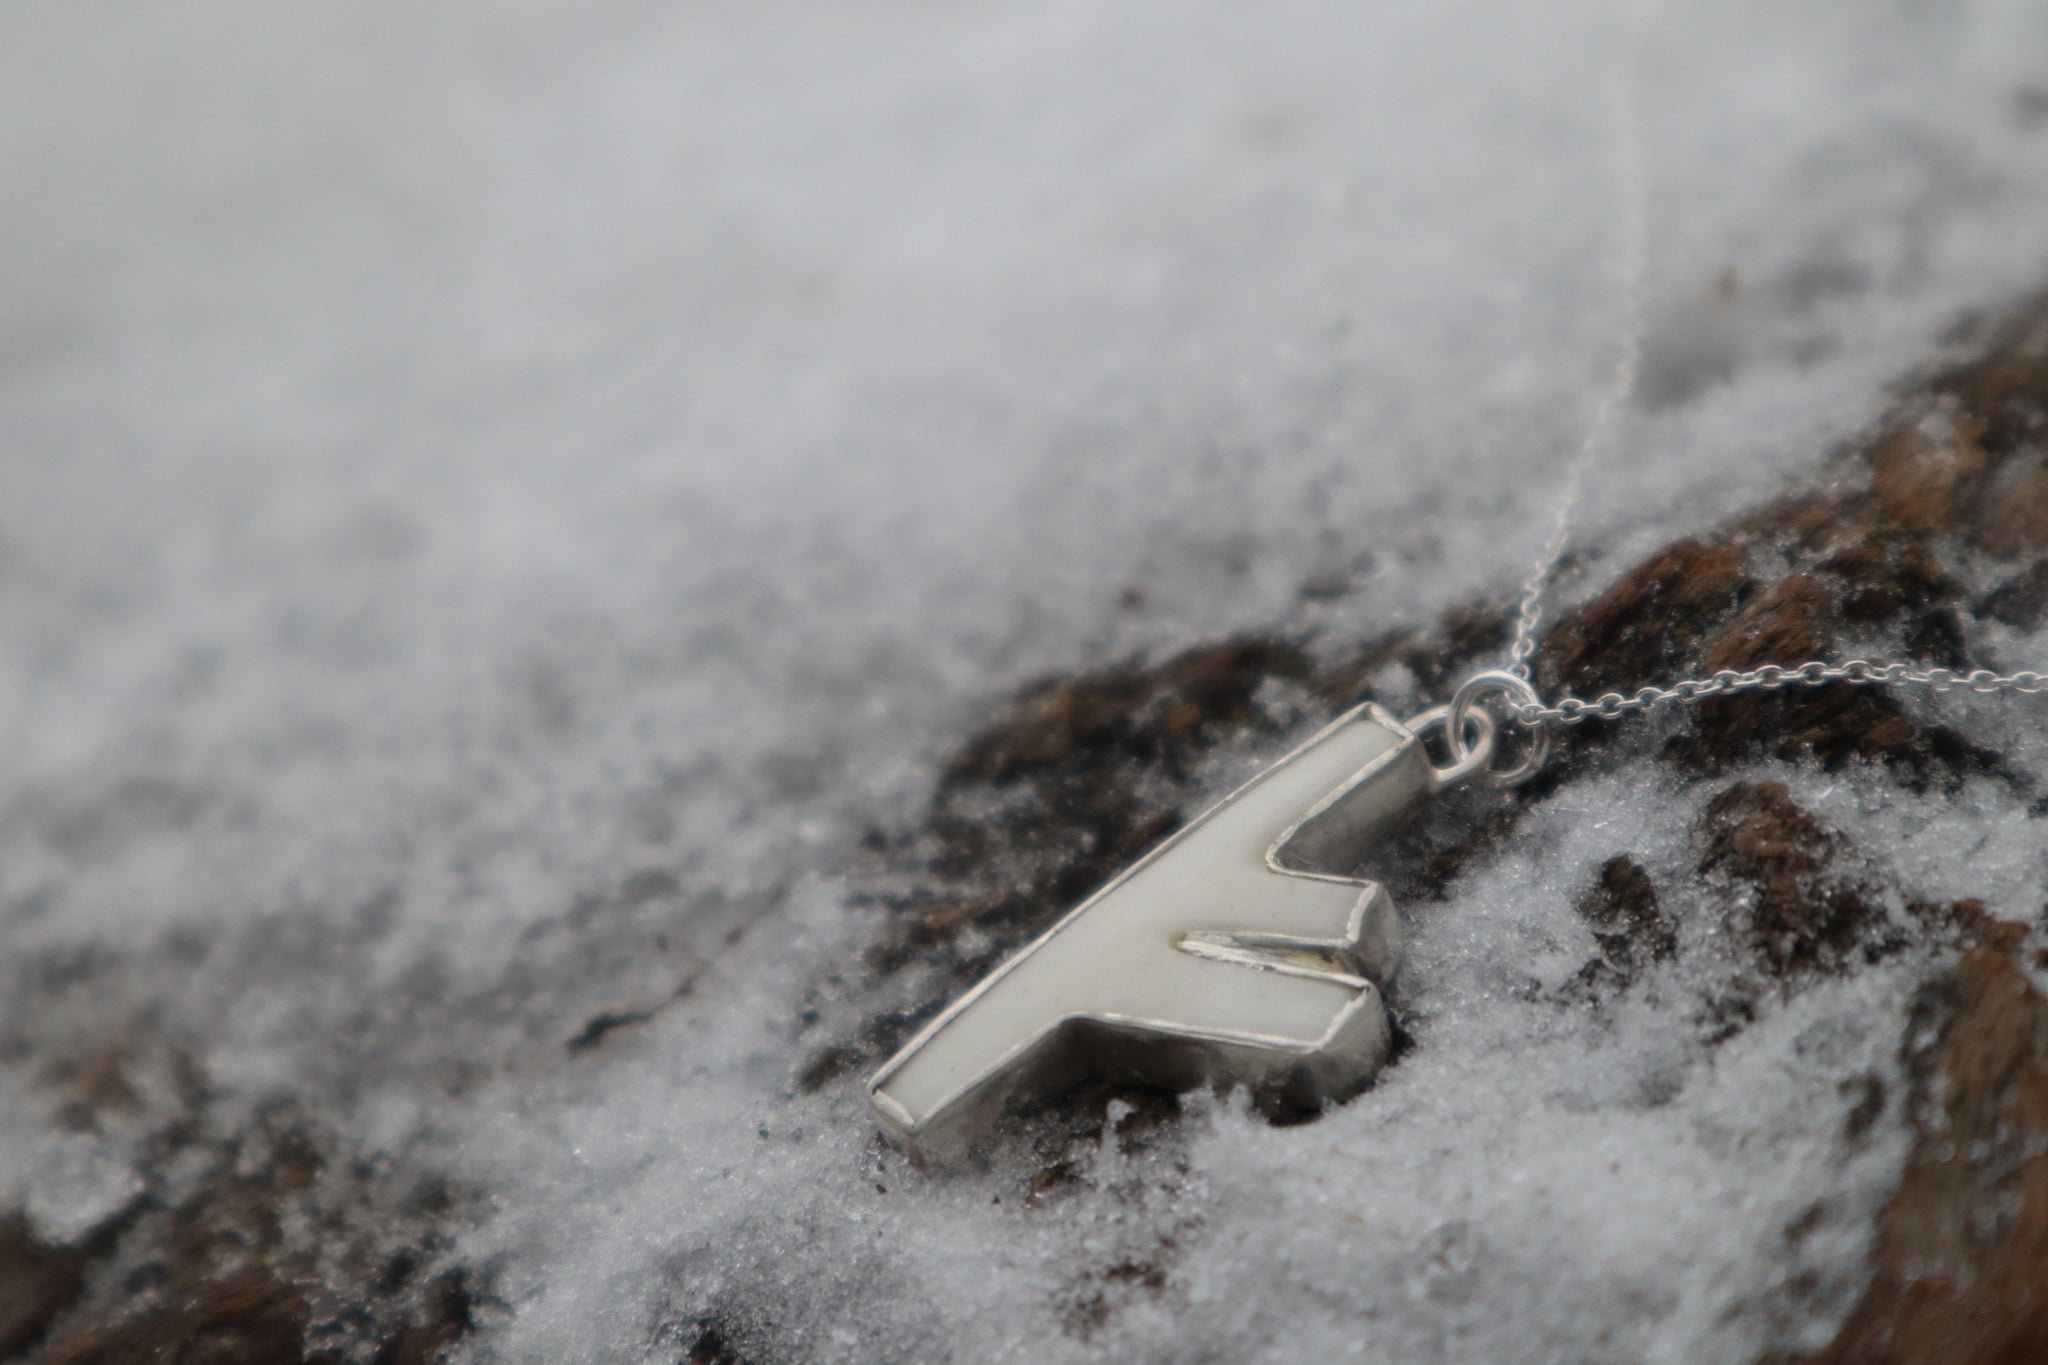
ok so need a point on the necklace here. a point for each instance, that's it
(1243, 949)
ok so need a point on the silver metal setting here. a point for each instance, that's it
(1242, 949)
(1469, 756)
(1518, 693)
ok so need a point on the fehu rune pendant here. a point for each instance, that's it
(1240, 950)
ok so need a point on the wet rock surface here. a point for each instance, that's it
(269, 1244)
(1962, 1247)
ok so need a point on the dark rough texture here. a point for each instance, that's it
(1962, 1257)
(2020, 601)
(1799, 913)
(221, 1278)
(241, 1320)
(37, 1283)
(1629, 924)
(1051, 791)
(1955, 471)
(1649, 624)
(711, 1348)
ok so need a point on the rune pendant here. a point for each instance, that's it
(1241, 950)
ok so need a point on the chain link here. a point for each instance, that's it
(1729, 682)
(1628, 357)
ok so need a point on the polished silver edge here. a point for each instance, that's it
(896, 1120)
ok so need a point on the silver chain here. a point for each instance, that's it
(1775, 678)
(1515, 685)
(1628, 359)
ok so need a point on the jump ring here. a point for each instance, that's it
(1518, 693)
(1469, 757)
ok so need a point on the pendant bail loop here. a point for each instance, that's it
(1517, 693)
(1468, 759)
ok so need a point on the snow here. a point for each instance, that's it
(455, 459)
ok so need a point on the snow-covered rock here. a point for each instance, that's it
(507, 510)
